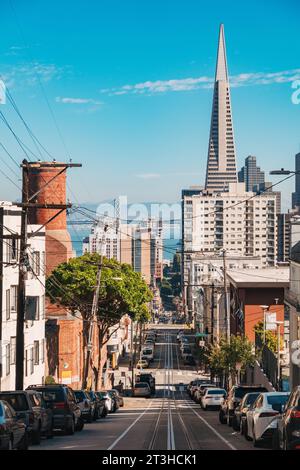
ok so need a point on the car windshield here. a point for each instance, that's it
(240, 392)
(17, 401)
(251, 397)
(277, 399)
(79, 394)
(141, 385)
(53, 395)
(216, 391)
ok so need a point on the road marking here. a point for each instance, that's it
(214, 430)
(128, 429)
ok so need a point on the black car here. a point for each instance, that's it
(239, 417)
(287, 434)
(13, 430)
(99, 405)
(62, 401)
(234, 398)
(30, 406)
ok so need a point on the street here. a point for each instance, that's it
(168, 421)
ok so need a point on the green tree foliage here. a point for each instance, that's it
(270, 336)
(224, 357)
(122, 291)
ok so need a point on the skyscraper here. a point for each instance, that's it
(221, 161)
(251, 175)
(296, 194)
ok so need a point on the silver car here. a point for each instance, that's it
(142, 389)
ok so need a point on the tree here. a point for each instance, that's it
(122, 291)
(270, 337)
(225, 356)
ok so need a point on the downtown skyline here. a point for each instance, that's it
(118, 114)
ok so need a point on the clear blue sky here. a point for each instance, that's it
(115, 74)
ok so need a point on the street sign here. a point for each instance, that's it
(271, 321)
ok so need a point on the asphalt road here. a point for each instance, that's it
(168, 421)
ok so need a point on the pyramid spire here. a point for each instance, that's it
(221, 68)
(221, 161)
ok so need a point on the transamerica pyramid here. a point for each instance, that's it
(221, 161)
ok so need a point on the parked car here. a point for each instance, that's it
(142, 389)
(115, 402)
(61, 400)
(118, 397)
(287, 434)
(13, 430)
(261, 414)
(98, 404)
(30, 407)
(234, 398)
(104, 398)
(142, 364)
(109, 400)
(239, 418)
(85, 404)
(200, 390)
(212, 398)
(194, 384)
(148, 352)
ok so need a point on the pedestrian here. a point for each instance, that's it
(121, 386)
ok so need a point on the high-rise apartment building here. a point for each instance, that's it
(251, 175)
(221, 162)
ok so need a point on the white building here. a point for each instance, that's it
(34, 330)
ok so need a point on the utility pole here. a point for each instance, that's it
(212, 311)
(227, 317)
(94, 312)
(30, 201)
(21, 302)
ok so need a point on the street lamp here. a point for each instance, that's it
(265, 309)
(278, 323)
(282, 171)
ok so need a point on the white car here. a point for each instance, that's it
(262, 413)
(108, 401)
(213, 397)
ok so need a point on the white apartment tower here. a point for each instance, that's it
(221, 161)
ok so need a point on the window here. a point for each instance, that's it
(43, 350)
(7, 304)
(7, 351)
(11, 250)
(36, 352)
(13, 298)
(31, 360)
(32, 309)
(13, 350)
(42, 308)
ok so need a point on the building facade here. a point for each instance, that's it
(251, 175)
(34, 330)
(296, 193)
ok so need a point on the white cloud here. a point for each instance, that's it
(148, 176)
(30, 74)
(195, 83)
(66, 100)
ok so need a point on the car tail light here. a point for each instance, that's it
(295, 414)
(268, 414)
(60, 405)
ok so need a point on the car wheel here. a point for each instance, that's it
(256, 443)
(24, 442)
(235, 425)
(36, 436)
(275, 440)
(50, 432)
(247, 437)
(80, 424)
(69, 430)
(222, 418)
